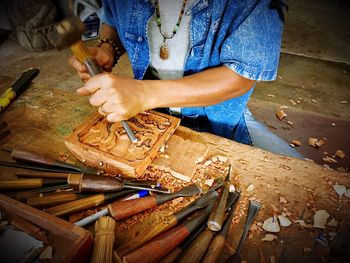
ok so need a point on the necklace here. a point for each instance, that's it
(164, 49)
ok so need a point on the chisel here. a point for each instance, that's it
(21, 184)
(217, 215)
(53, 199)
(217, 244)
(253, 210)
(123, 209)
(84, 203)
(195, 252)
(166, 242)
(18, 87)
(168, 222)
(99, 183)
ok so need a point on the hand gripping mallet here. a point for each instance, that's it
(68, 33)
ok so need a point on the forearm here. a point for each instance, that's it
(209, 87)
(109, 32)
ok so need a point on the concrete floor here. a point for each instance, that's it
(314, 68)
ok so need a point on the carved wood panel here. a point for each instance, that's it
(105, 145)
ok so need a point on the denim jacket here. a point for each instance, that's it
(244, 35)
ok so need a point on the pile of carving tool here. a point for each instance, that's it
(196, 233)
(62, 189)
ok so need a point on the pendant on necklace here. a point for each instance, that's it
(164, 51)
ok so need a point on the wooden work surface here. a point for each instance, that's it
(40, 120)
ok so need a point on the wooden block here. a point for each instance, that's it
(105, 145)
(180, 156)
(70, 243)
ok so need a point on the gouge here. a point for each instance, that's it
(168, 222)
(217, 215)
(42, 175)
(253, 210)
(166, 242)
(18, 87)
(123, 209)
(98, 183)
(186, 245)
(217, 244)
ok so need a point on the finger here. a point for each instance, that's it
(114, 117)
(98, 99)
(84, 76)
(93, 84)
(83, 92)
(77, 65)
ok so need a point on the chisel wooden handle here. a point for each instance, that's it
(21, 184)
(42, 175)
(52, 199)
(84, 203)
(94, 183)
(195, 252)
(217, 216)
(215, 249)
(147, 234)
(159, 247)
(172, 256)
(35, 158)
(124, 209)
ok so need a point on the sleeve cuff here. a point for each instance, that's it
(251, 72)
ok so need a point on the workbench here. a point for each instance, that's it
(43, 116)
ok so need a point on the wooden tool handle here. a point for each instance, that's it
(124, 209)
(215, 249)
(195, 252)
(52, 199)
(217, 216)
(158, 247)
(94, 183)
(21, 184)
(172, 256)
(35, 158)
(147, 233)
(42, 175)
(82, 204)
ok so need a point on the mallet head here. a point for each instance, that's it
(67, 32)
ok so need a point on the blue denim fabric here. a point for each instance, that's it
(244, 35)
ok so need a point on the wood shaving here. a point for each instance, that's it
(222, 159)
(209, 182)
(301, 223)
(284, 221)
(344, 102)
(269, 237)
(281, 114)
(333, 223)
(312, 142)
(296, 143)
(340, 154)
(271, 225)
(290, 123)
(347, 194)
(283, 200)
(274, 208)
(339, 189)
(250, 188)
(314, 101)
(271, 95)
(320, 219)
(292, 102)
(328, 159)
(284, 107)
